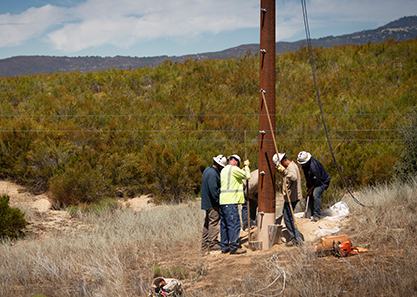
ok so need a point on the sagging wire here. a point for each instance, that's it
(310, 51)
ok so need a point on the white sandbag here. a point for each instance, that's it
(337, 212)
(326, 231)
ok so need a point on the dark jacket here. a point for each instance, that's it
(316, 175)
(210, 188)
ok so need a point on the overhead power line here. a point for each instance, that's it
(310, 50)
(194, 115)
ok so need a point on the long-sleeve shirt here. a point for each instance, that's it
(231, 186)
(293, 179)
(316, 175)
(253, 185)
(210, 188)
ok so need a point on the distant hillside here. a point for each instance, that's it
(400, 30)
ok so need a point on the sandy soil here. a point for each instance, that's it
(43, 219)
(216, 266)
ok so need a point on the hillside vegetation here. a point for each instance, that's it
(84, 137)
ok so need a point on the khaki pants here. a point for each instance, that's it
(211, 229)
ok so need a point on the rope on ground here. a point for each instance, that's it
(310, 51)
(274, 262)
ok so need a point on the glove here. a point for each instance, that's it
(280, 168)
(247, 163)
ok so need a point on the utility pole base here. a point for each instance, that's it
(264, 222)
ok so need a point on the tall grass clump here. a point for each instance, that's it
(112, 255)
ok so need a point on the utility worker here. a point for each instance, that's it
(231, 195)
(210, 192)
(293, 179)
(318, 181)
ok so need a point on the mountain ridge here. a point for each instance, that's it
(402, 29)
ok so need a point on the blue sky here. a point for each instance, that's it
(146, 28)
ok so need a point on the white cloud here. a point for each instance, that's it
(127, 22)
(15, 29)
(123, 23)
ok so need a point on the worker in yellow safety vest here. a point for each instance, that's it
(231, 195)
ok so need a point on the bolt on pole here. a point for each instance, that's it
(266, 178)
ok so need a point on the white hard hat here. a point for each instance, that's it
(275, 158)
(221, 160)
(235, 157)
(303, 157)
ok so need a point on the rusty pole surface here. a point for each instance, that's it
(266, 186)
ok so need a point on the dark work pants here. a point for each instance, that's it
(315, 202)
(211, 229)
(288, 219)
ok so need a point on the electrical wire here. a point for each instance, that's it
(310, 51)
(192, 115)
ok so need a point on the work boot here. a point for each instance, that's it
(290, 243)
(215, 248)
(238, 252)
(225, 251)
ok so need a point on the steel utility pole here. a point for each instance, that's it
(266, 178)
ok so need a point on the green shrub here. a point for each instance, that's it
(125, 173)
(12, 221)
(44, 160)
(408, 166)
(79, 184)
(172, 175)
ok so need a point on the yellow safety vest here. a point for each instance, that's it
(231, 186)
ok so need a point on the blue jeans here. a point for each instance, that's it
(315, 202)
(229, 227)
(288, 219)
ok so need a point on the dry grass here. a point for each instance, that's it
(388, 230)
(113, 259)
(123, 250)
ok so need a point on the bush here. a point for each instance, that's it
(12, 221)
(124, 172)
(173, 176)
(408, 166)
(79, 184)
(44, 160)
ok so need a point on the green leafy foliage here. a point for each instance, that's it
(173, 175)
(12, 221)
(407, 168)
(44, 160)
(85, 137)
(83, 182)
